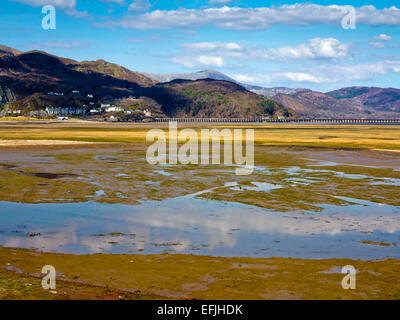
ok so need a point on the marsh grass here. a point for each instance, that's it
(125, 177)
(351, 137)
(194, 277)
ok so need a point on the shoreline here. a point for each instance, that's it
(41, 143)
(15, 143)
(177, 276)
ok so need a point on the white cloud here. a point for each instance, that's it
(69, 6)
(45, 45)
(318, 48)
(77, 14)
(324, 74)
(208, 46)
(151, 38)
(62, 4)
(380, 41)
(377, 44)
(114, 1)
(244, 78)
(140, 5)
(220, 1)
(300, 77)
(364, 72)
(213, 54)
(210, 61)
(199, 61)
(384, 37)
(237, 18)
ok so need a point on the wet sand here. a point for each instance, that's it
(40, 143)
(170, 276)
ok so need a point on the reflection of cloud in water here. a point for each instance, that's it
(50, 241)
(257, 186)
(221, 219)
(186, 223)
(375, 180)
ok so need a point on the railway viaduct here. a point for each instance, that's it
(294, 121)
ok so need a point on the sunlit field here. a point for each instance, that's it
(341, 136)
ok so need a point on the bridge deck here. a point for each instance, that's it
(304, 121)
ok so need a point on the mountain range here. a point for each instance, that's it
(30, 81)
(216, 75)
(351, 102)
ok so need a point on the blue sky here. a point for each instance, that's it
(268, 43)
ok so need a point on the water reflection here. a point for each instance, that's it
(190, 225)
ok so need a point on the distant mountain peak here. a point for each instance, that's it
(217, 75)
(30, 79)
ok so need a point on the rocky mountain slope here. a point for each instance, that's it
(380, 99)
(213, 99)
(216, 75)
(354, 102)
(32, 80)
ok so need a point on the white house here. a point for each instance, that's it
(65, 111)
(114, 109)
(14, 111)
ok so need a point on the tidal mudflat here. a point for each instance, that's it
(301, 202)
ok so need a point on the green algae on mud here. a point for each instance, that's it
(170, 276)
(122, 175)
